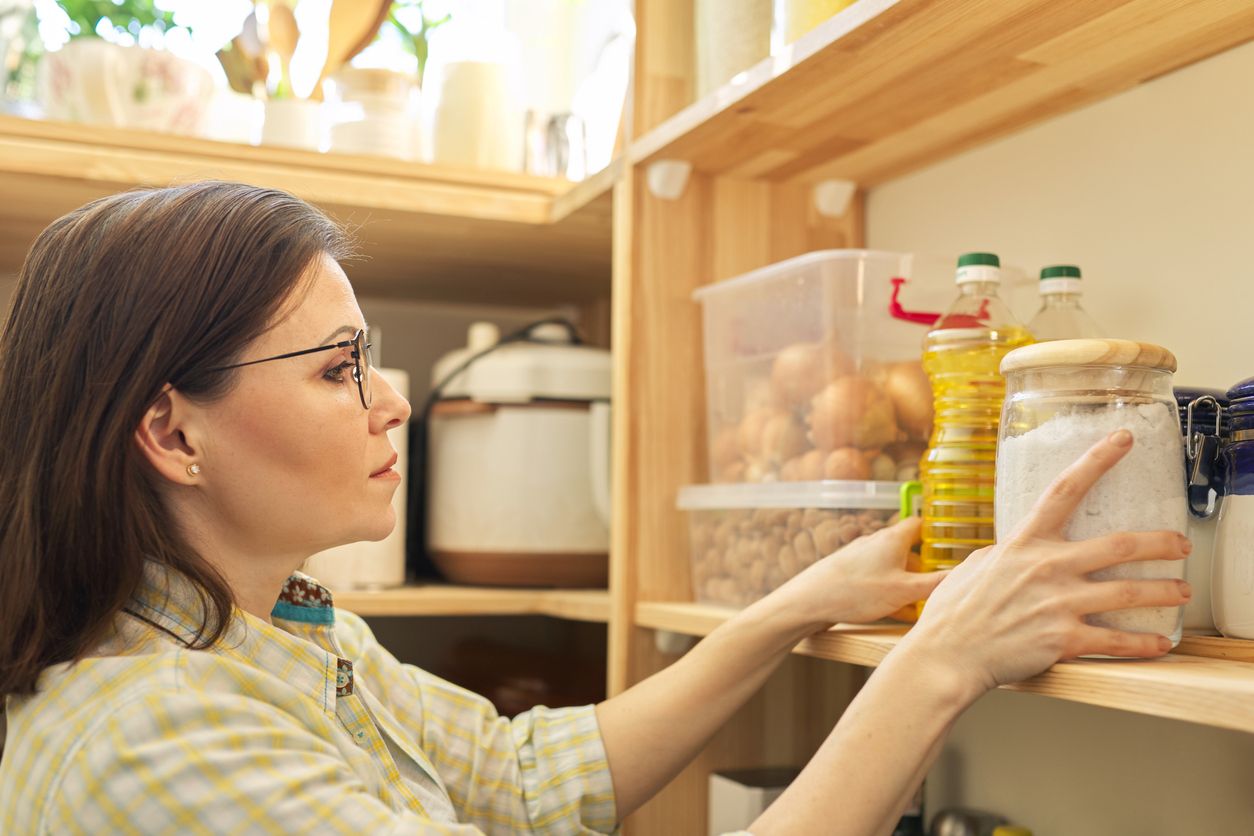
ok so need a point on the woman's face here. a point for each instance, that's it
(292, 462)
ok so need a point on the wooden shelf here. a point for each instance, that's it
(428, 231)
(437, 599)
(888, 86)
(1211, 691)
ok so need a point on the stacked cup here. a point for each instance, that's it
(373, 112)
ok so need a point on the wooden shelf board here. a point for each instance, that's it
(1211, 691)
(888, 86)
(439, 599)
(431, 231)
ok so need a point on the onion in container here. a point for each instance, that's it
(906, 384)
(852, 412)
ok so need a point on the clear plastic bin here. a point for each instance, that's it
(749, 539)
(810, 376)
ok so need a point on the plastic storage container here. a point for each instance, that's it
(808, 374)
(1061, 398)
(747, 540)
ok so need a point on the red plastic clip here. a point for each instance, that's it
(924, 318)
(898, 312)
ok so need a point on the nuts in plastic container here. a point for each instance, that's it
(747, 540)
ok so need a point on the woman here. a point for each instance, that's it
(187, 411)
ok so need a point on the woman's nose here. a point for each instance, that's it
(388, 407)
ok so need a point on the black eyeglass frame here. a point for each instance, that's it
(361, 369)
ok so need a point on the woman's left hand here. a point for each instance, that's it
(861, 582)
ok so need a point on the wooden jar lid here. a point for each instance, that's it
(1089, 353)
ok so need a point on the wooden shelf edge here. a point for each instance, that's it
(843, 103)
(592, 605)
(597, 187)
(1198, 689)
(724, 99)
(124, 158)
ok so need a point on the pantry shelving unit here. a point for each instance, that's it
(881, 89)
(1182, 686)
(426, 232)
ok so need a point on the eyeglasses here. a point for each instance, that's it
(361, 362)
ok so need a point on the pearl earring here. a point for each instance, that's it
(193, 469)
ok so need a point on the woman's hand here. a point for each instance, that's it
(864, 581)
(1012, 610)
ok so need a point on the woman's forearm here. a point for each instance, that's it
(864, 773)
(657, 727)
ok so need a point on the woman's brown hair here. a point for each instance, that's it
(115, 300)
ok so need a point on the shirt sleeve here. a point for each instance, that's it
(545, 771)
(195, 762)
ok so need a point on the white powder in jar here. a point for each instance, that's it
(1143, 492)
(1233, 571)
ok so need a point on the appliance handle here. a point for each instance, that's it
(600, 414)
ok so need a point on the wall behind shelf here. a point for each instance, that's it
(1065, 769)
(1150, 192)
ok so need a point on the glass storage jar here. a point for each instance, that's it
(1232, 570)
(1061, 398)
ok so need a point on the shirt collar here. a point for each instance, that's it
(303, 628)
(169, 601)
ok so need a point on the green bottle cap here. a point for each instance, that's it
(1060, 271)
(978, 259)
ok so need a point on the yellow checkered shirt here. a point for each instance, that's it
(304, 726)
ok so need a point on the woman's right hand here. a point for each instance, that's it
(1010, 611)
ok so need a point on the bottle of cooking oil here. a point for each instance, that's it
(961, 356)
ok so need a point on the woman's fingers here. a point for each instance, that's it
(1085, 556)
(1061, 498)
(1099, 640)
(921, 584)
(902, 534)
(1106, 596)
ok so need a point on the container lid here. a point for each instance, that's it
(1060, 278)
(550, 368)
(1240, 411)
(978, 267)
(972, 259)
(1112, 353)
(1242, 390)
(1060, 271)
(830, 494)
(793, 265)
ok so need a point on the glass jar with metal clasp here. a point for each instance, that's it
(1232, 571)
(1205, 424)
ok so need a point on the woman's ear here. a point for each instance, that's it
(165, 436)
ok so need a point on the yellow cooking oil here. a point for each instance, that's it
(962, 356)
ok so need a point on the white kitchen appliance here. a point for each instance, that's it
(381, 564)
(518, 462)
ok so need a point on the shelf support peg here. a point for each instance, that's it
(667, 179)
(672, 643)
(832, 197)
